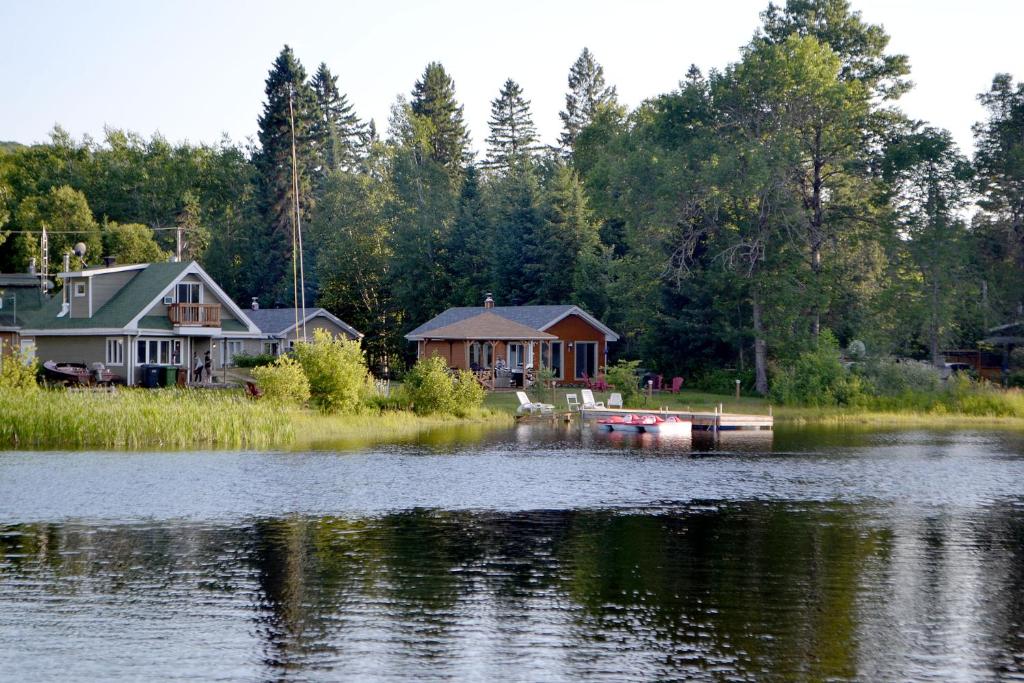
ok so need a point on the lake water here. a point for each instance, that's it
(533, 554)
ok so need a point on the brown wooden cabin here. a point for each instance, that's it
(518, 339)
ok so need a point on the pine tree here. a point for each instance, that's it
(519, 254)
(337, 133)
(433, 99)
(512, 131)
(471, 245)
(272, 250)
(587, 92)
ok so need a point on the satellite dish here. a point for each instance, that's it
(80, 249)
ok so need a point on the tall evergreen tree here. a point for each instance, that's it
(587, 93)
(999, 158)
(433, 100)
(513, 134)
(471, 245)
(336, 133)
(519, 268)
(272, 256)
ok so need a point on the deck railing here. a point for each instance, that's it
(195, 315)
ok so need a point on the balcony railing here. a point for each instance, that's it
(194, 315)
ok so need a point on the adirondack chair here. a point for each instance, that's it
(573, 401)
(588, 400)
(615, 400)
(677, 384)
(526, 405)
(253, 391)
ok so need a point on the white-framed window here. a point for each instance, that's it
(271, 347)
(518, 354)
(189, 293)
(232, 347)
(115, 351)
(79, 289)
(586, 359)
(28, 350)
(158, 352)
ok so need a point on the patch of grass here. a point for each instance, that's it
(140, 419)
(316, 430)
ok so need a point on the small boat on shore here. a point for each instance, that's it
(67, 373)
(647, 424)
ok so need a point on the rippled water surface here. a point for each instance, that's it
(536, 554)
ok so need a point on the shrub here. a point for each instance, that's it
(283, 382)
(431, 388)
(336, 370)
(244, 360)
(887, 377)
(817, 378)
(623, 377)
(17, 371)
(467, 393)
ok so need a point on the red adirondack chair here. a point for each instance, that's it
(677, 384)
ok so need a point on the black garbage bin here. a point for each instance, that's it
(151, 375)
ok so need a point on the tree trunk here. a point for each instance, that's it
(760, 349)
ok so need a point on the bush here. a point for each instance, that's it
(244, 360)
(431, 388)
(283, 382)
(817, 378)
(623, 377)
(336, 370)
(887, 377)
(18, 371)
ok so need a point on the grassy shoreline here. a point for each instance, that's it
(171, 419)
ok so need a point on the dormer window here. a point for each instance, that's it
(79, 289)
(189, 293)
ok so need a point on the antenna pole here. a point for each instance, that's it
(295, 214)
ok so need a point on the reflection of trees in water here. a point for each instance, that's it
(790, 592)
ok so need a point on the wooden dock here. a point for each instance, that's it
(708, 422)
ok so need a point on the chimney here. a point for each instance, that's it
(255, 305)
(108, 261)
(489, 301)
(32, 266)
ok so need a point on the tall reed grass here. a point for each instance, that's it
(140, 419)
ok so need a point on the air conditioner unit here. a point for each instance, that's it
(168, 300)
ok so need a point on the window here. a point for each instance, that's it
(551, 357)
(115, 351)
(158, 352)
(28, 350)
(515, 355)
(586, 359)
(271, 348)
(79, 289)
(189, 293)
(231, 349)
(481, 355)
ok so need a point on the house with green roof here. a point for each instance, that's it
(125, 317)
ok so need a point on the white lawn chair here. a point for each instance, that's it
(588, 400)
(615, 401)
(526, 405)
(573, 401)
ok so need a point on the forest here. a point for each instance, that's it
(730, 223)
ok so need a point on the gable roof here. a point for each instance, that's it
(280, 321)
(535, 317)
(489, 327)
(127, 309)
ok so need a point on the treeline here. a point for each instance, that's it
(729, 222)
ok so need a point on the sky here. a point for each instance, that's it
(195, 70)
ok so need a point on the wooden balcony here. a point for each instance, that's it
(194, 315)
